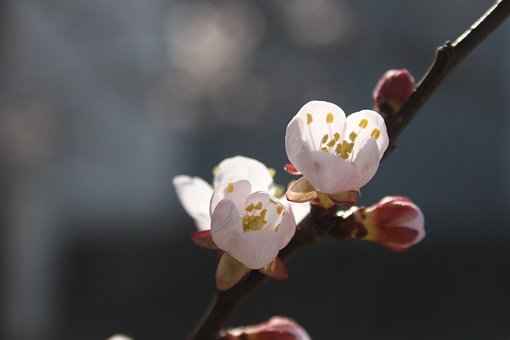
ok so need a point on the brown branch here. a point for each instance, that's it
(317, 223)
(447, 57)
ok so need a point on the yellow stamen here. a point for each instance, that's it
(254, 222)
(336, 136)
(375, 133)
(330, 118)
(344, 149)
(250, 207)
(324, 139)
(363, 123)
(352, 136)
(230, 187)
(332, 143)
(258, 206)
(309, 118)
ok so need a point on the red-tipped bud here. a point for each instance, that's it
(394, 222)
(277, 328)
(392, 90)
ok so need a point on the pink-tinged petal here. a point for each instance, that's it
(395, 222)
(195, 195)
(291, 169)
(392, 90)
(240, 168)
(229, 272)
(203, 239)
(276, 270)
(301, 191)
(277, 328)
(237, 192)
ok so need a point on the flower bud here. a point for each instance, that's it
(392, 90)
(394, 222)
(277, 328)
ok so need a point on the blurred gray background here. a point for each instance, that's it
(103, 102)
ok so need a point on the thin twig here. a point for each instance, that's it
(314, 226)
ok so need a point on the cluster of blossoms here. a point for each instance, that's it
(248, 219)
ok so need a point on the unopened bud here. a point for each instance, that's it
(392, 90)
(277, 328)
(394, 222)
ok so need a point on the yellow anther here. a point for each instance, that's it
(254, 222)
(309, 118)
(331, 143)
(258, 206)
(352, 136)
(336, 136)
(230, 187)
(216, 170)
(324, 149)
(250, 207)
(279, 210)
(375, 133)
(330, 118)
(324, 139)
(344, 149)
(363, 123)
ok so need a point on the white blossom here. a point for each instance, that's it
(334, 153)
(195, 194)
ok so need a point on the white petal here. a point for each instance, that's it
(257, 247)
(374, 121)
(329, 173)
(367, 162)
(287, 228)
(195, 195)
(319, 118)
(300, 210)
(243, 168)
(237, 192)
(226, 227)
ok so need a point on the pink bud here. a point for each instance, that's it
(277, 328)
(394, 222)
(392, 90)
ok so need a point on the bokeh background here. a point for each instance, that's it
(103, 102)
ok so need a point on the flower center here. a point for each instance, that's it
(333, 143)
(255, 217)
